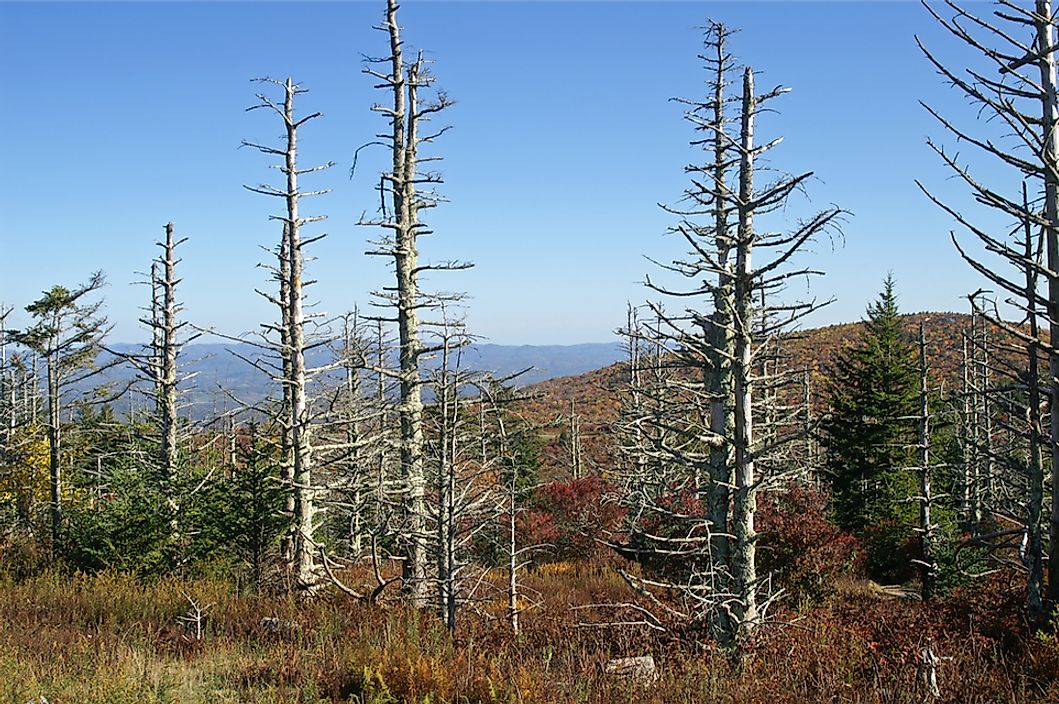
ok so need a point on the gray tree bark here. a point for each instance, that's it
(296, 418)
(402, 186)
(744, 563)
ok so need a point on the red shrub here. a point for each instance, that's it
(805, 550)
(571, 517)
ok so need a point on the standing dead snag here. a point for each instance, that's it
(573, 443)
(1019, 43)
(293, 344)
(461, 486)
(928, 566)
(509, 439)
(405, 191)
(726, 376)
(744, 564)
(168, 348)
(19, 400)
(158, 365)
(355, 439)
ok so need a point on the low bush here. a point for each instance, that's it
(571, 519)
(807, 554)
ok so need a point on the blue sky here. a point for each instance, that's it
(119, 117)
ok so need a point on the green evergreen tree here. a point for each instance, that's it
(256, 497)
(870, 430)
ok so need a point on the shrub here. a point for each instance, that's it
(571, 517)
(125, 530)
(806, 551)
(891, 551)
(21, 557)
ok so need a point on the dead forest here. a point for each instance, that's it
(744, 509)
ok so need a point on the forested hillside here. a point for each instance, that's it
(595, 397)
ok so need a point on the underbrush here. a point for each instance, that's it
(111, 638)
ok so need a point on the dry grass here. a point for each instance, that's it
(112, 639)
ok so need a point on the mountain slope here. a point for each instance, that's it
(595, 396)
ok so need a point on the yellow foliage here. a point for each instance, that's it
(549, 569)
(26, 480)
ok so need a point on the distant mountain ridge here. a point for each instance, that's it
(222, 378)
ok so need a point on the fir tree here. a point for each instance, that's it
(256, 497)
(871, 425)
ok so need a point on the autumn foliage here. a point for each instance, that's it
(571, 520)
(807, 553)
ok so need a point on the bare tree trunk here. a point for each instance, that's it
(167, 378)
(928, 566)
(401, 183)
(987, 470)
(402, 180)
(286, 446)
(304, 546)
(1045, 48)
(54, 443)
(351, 364)
(382, 461)
(812, 465)
(295, 419)
(576, 467)
(1034, 557)
(744, 563)
(720, 338)
(512, 553)
(446, 489)
(967, 437)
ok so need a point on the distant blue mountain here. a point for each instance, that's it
(547, 361)
(221, 377)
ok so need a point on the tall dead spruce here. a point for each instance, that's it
(723, 376)
(1014, 92)
(406, 190)
(158, 364)
(296, 414)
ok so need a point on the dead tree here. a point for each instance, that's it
(353, 416)
(928, 565)
(1018, 114)
(809, 421)
(293, 339)
(463, 493)
(159, 363)
(712, 197)
(19, 421)
(8, 392)
(652, 423)
(505, 434)
(405, 190)
(714, 550)
(17, 387)
(573, 443)
(168, 327)
(354, 445)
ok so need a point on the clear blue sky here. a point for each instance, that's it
(119, 117)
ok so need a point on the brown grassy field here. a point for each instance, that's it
(110, 638)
